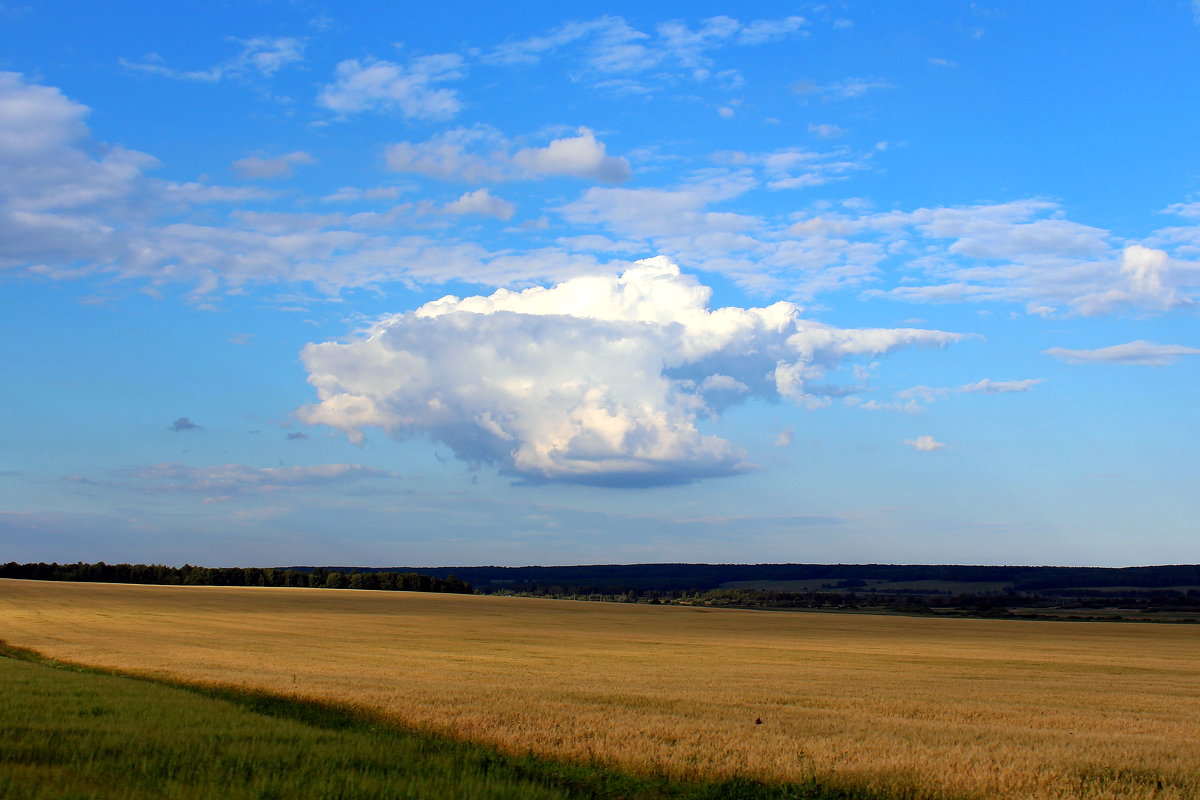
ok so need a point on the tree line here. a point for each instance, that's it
(189, 575)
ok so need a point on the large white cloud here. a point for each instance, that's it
(598, 380)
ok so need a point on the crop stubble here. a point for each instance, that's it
(943, 707)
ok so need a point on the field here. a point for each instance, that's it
(899, 706)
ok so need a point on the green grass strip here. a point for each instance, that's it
(71, 732)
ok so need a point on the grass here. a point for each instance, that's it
(67, 732)
(887, 706)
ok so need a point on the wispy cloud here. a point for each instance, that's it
(271, 167)
(260, 57)
(1140, 352)
(236, 479)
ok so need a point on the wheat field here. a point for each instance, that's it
(898, 706)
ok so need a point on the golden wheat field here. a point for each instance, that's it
(898, 705)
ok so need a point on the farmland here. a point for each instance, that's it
(899, 706)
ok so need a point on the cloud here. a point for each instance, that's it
(1144, 273)
(1024, 251)
(236, 479)
(663, 212)
(796, 168)
(278, 167)
(989, 386)
(609, 46)
(911, 400)
(846, 89)
(71, 207)
(1186, 210)
(295, 436)
(580, 156)
(826, 131)
(1139, 352)
(353, 194)
(482, 202)
(374, 85)
(260, 57)
(184, 424)
(599, 380)
(925, 444)
(482, 154)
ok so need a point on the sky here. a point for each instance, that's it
(472, 283)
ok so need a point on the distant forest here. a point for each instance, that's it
(1161, 593)
(188, 575)
(618, 578)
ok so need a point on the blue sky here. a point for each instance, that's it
(286, 282)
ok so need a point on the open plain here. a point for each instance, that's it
(898, 706)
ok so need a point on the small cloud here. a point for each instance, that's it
(785, 438)
(989, 386)
(481, 201)
(295, 436)
(353, 194)
(856, 87)
(184, 424)
(267, 168)
(725, 112)
(826, 131)
(941, 62)
(1140, 352)
(925, 444)
(581, 156)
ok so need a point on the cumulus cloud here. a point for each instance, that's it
(260, 57)
(481, 201)
(1145, 275)
(580, 156)
(375, 85)
(599, 380)
(481, 154)
(925, 444)
(265, 167)
(1139, 352)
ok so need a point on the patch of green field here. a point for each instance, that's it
(69, 733)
